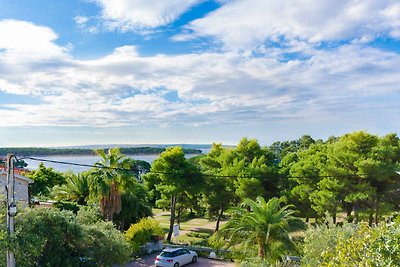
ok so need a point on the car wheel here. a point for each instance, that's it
(176, 265)
(194, 259)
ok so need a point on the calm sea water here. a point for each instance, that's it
(87, 160)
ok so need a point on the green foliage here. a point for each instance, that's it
(322, 239)
(146, 230)
(253, 172)
(110, 178)
(104, 245)
(3, 230)
(175, 180)
(67, 205)
(76, 188)
(44, 179)
(352, 245)
(88, 215)
(215, 242)
(355, 172)
(47, 237)
(50, 237)
(261, 224)
(135, 205)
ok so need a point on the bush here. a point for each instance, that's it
(322, 239)
(198, 235)
(52, 237)
(104, 245)
(3, 231)
(352, 245)
(146, 230)
(88, 215)
(67, 205)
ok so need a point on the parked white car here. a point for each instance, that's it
(175, 257)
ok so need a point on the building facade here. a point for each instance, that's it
(21, 186)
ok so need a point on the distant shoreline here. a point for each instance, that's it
(39, 151)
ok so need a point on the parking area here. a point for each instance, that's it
(201, 262)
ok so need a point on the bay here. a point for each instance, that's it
(86, 160)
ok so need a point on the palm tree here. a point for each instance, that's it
(76, 188)
(111, 176)
(265, 224)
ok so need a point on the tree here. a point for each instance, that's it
(44, 179)
(111, 176)
(75, 189)
(267, 224)
(175, 175)
(366, 165)
(219, 191)
(135, 205)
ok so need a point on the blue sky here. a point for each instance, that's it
(76, 72)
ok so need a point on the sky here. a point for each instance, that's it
(77, 72)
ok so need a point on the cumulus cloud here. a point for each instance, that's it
(126, 88)
(245, 24)
(137, 15)
(28, 40)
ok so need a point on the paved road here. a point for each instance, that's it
(201, 262)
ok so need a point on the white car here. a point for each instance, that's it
(175, 257)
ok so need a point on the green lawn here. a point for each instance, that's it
(188, 229)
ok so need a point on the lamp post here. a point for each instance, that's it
(11, 206)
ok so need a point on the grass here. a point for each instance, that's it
(193, 231)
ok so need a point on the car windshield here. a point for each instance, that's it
(167, 254)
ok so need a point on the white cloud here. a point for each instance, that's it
(392, 13)
(81, 20)
(137, 15)
(28, 40)
(246, 24)
(125, 88)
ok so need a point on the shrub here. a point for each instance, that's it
(352, 245)
(146, 230)
(53, 237)
(322, 239)
(3, 230)
(88, 215)
(67, 205)
(104, 245)
(47, 237)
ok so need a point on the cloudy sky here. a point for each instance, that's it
(76, 72)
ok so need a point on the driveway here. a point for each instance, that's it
(201, 262)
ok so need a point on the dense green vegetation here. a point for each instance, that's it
(51, 237)
(266, 194)
(42, 151)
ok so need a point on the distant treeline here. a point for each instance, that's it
(41, 151)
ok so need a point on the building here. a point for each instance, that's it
(21, 185)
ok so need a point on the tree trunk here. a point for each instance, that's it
(261, 252)
(371, 216)
(355, 208)
(349, 209)
(334, 214)
(376, 212)
(172, 218)
(219, 219)
(178, 219)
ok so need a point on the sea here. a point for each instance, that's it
(85, 160)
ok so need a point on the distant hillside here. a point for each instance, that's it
(41, 151)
